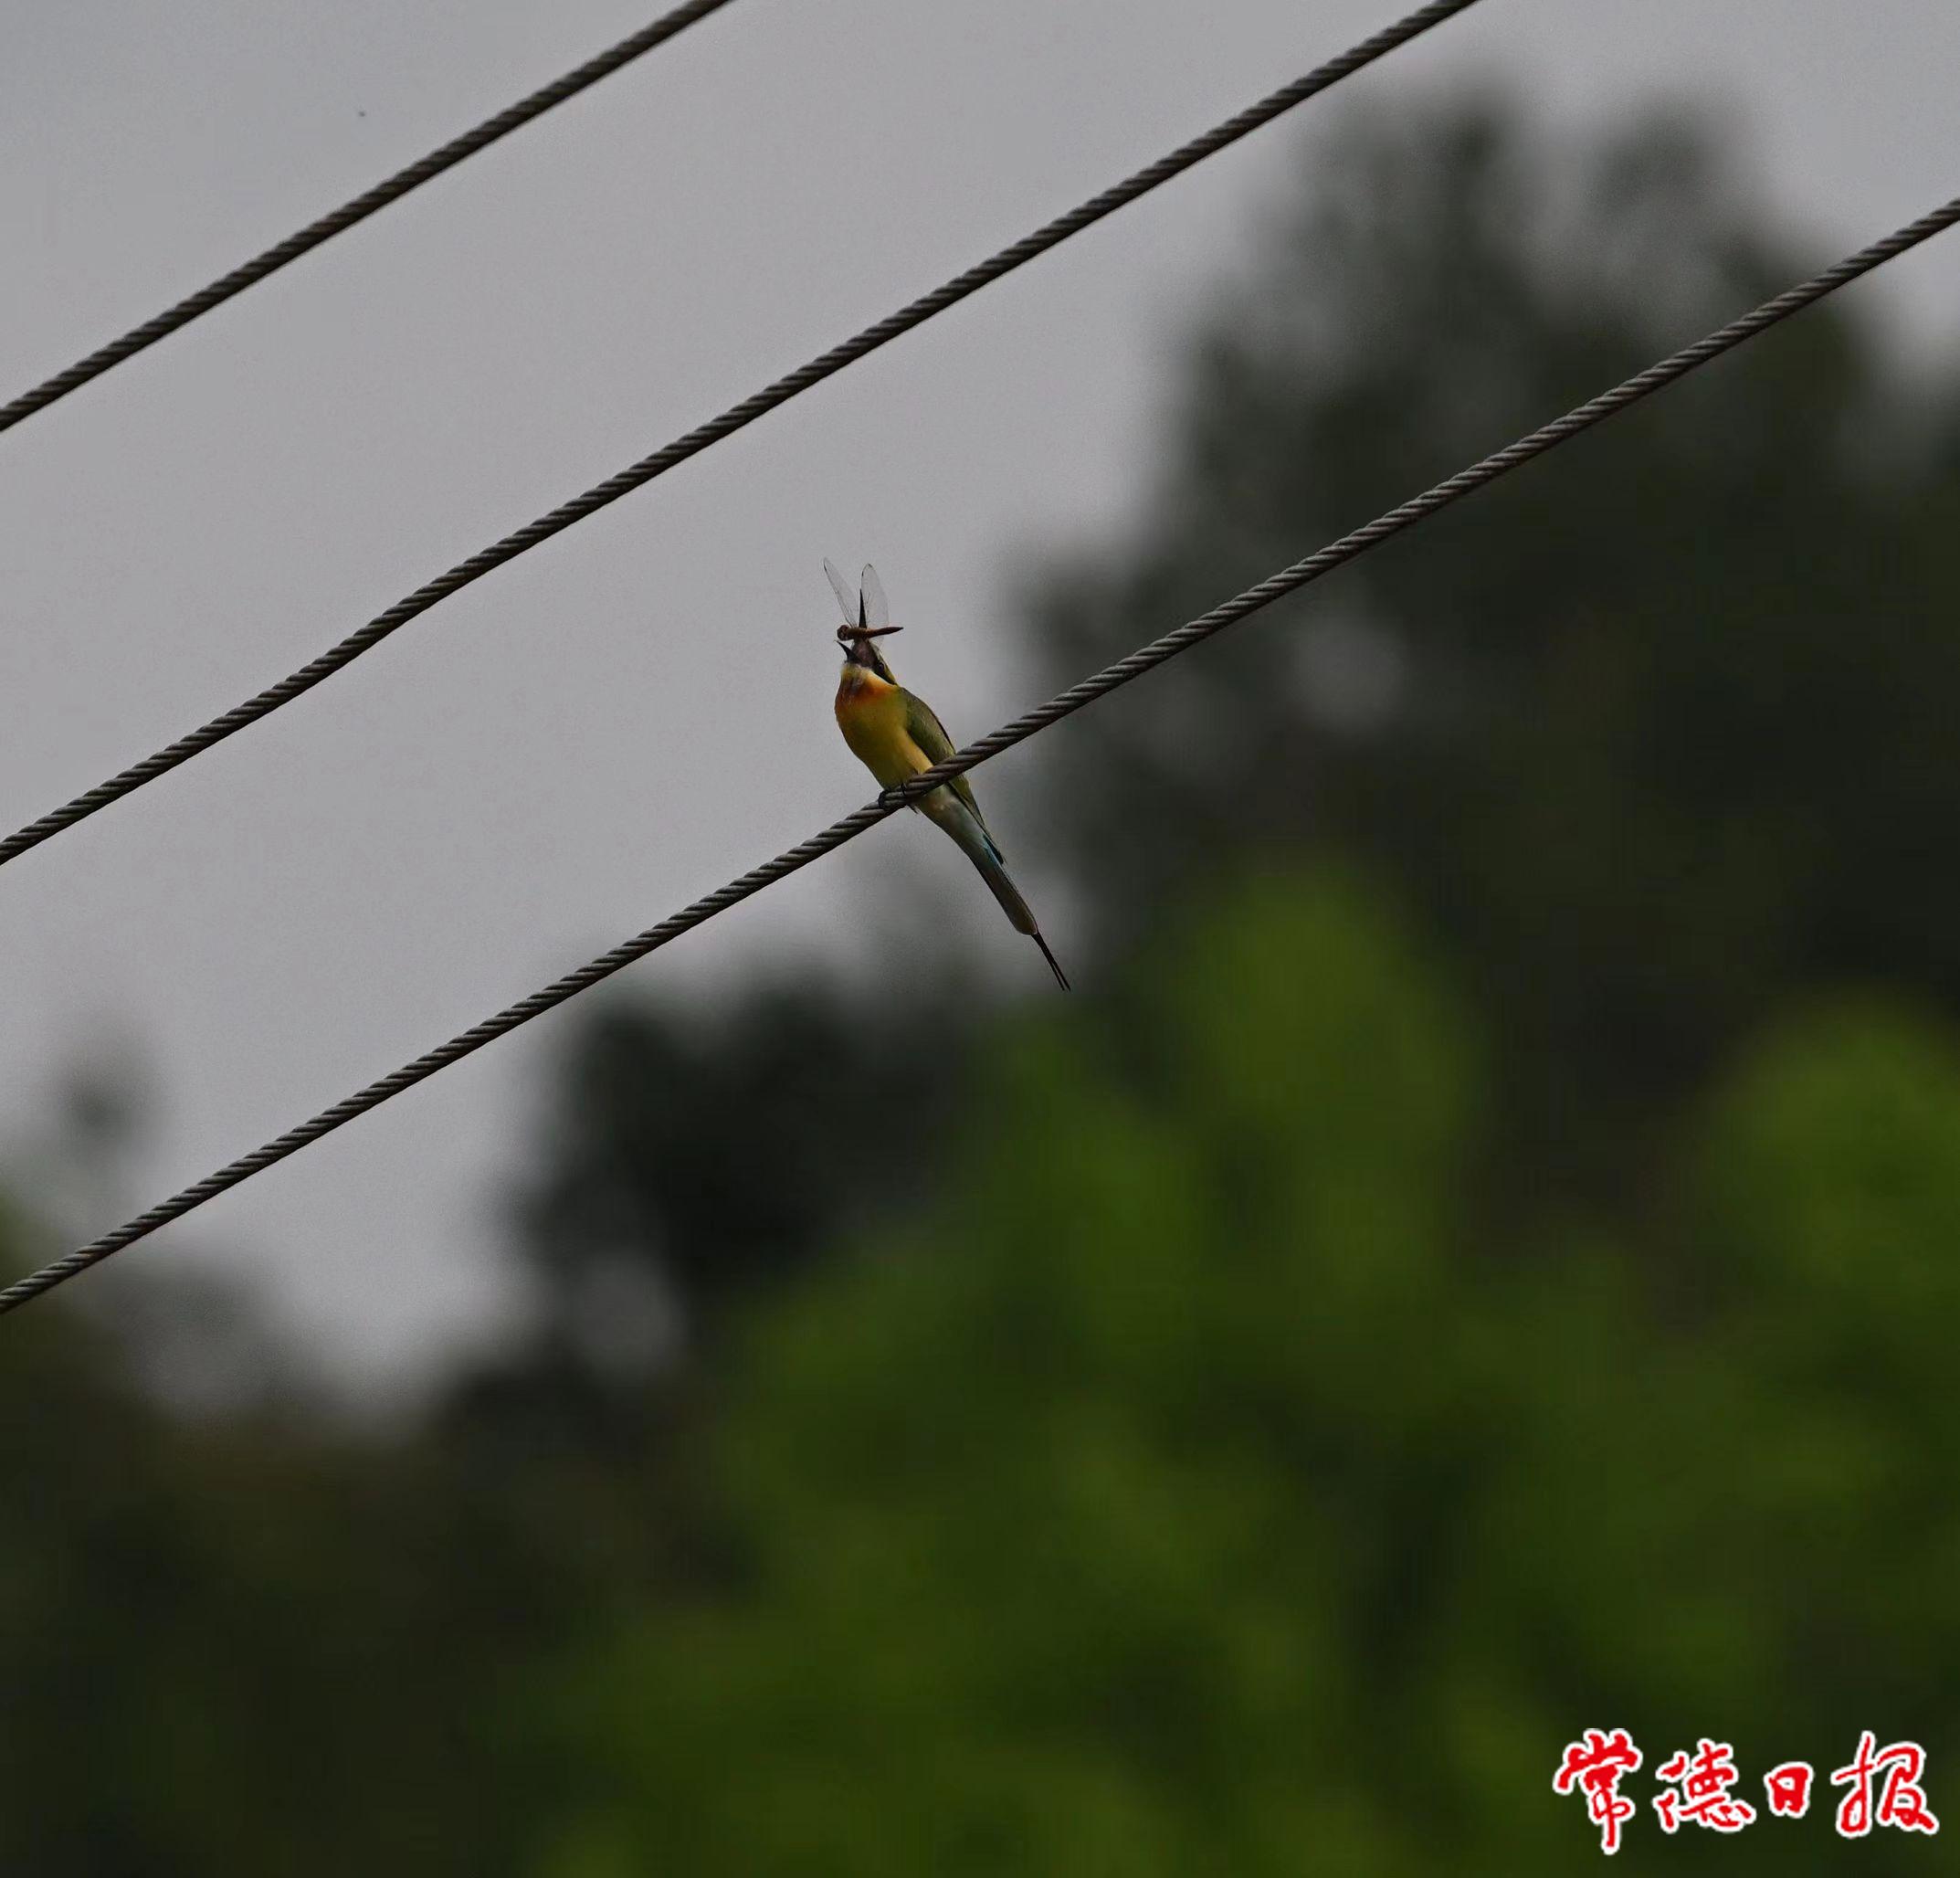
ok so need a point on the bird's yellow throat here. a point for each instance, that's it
(871, 712)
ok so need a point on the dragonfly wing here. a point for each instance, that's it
(841, 589)
(876, 612)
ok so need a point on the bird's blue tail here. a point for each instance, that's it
(967, 828)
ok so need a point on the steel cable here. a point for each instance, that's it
(732, 420)
(305, 240)
(1289, 580)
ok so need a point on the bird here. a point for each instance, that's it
(896, 735)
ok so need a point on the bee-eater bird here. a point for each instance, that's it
(896, 736)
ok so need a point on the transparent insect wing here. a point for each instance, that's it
(841, 589)
(876, 612)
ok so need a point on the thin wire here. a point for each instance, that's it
(305, 240)
(1325, 560)
(732, 420)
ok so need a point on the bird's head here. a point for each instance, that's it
(859, 649)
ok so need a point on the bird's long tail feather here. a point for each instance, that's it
(970, 832)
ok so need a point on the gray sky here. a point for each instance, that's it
(639, 709)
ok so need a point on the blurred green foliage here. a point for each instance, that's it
(1195, 1490)
(1479, 1264)
(256, 1645)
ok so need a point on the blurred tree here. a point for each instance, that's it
(693, 1156)
(723, 1144)
(1190, 1492)
(1659, 732)
(251, 1644)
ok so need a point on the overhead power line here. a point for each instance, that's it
(305, 240)
(732, 420)
(1112, 678)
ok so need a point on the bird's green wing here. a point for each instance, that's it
(926, 731)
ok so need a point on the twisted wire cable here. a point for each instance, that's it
(1112, 678)
(732, 420)
(305, 240)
